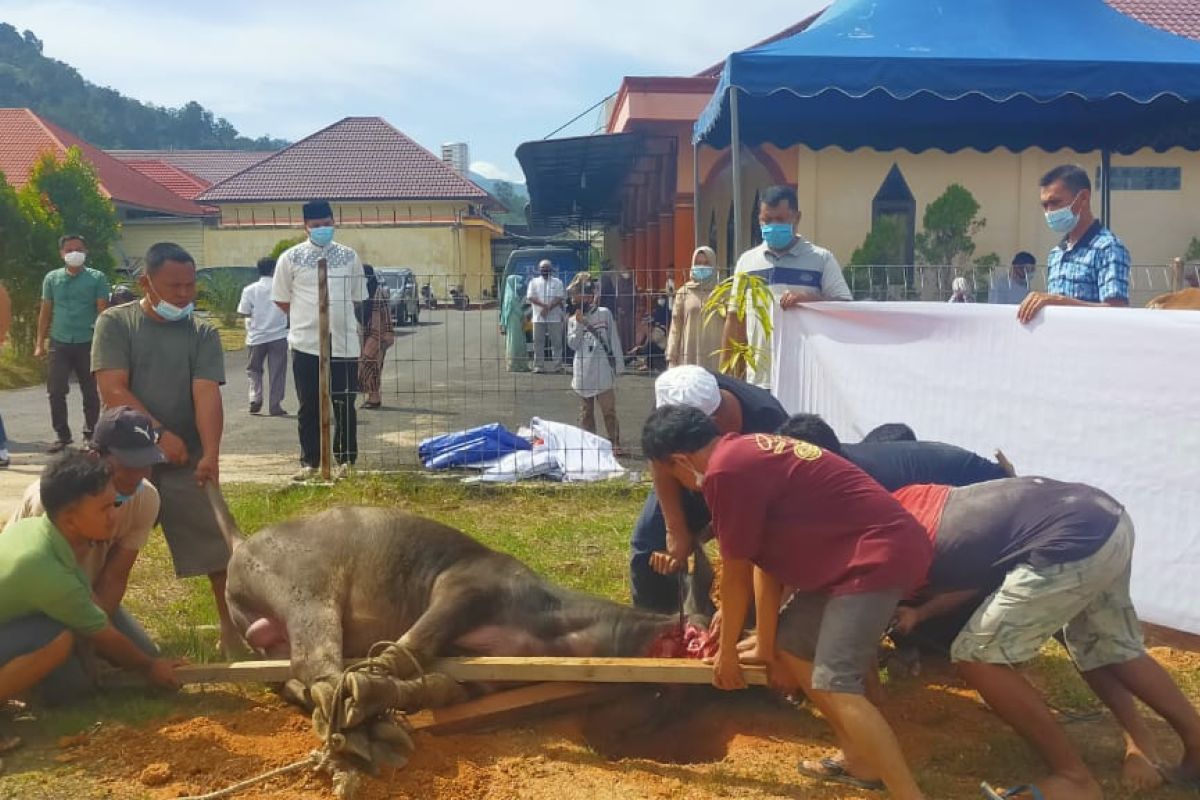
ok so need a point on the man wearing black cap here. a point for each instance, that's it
(125, 439)
(295, 291)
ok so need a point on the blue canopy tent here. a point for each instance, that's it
(981, 74)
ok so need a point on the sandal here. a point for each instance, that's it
(833, 771)
(1015, 792)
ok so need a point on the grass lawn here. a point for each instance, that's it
(17, 372)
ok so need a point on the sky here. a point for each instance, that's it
(492, 74)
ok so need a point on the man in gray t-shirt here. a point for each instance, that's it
(156, 357)
(1010, 287)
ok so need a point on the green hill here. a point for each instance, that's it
(100, 115)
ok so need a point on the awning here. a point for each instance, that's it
(578, 181)
(982, 74)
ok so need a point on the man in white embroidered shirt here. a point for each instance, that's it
(795, 269)
(295, 291)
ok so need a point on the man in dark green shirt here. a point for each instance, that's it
(46, 602)
(156, 357)
(72, 296)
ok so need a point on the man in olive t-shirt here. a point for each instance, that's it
(155, 356)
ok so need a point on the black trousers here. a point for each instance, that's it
(66, 359)
(343, 388)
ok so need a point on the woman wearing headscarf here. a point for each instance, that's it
(692, 339)
(378, 336)
(512, 324)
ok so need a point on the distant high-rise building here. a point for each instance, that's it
(458, 156)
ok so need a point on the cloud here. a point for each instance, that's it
(490, 74)
(489, 170)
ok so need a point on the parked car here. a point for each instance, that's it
(524, 261)
(402, 284)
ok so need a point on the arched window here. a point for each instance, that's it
(755, 229)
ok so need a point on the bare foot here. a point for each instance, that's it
(1139, 773)
(1058, 787)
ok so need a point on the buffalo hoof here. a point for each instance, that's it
(296, 693)
(384, 755)
(394, 734)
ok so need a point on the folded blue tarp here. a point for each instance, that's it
(485, 443)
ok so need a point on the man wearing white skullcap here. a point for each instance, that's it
(672, 517)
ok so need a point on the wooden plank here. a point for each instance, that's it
(522, 669)
(514, 705)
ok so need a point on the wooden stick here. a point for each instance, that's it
(514, 705)
(324, 355)
(499, 668)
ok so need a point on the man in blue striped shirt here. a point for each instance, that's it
(1090, 266)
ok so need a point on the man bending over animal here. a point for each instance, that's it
(813, 521)
(1044, 557)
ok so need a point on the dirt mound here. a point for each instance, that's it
(676, 743)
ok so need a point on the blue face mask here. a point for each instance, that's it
(122, 499)
(702, 273)
(777, 235)
(1063, 220)
(171, 312)
(321, 236)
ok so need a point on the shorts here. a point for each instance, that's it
(839, 635)
(1088, 600)
(189, 524)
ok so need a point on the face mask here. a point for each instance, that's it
(697, 475)
(122, 499)
(777, 235)
(170, 312)
(702, 273)
(321, 236)
(74, 259)
(662, 301)
(1063, 220)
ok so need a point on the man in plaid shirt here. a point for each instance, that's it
(1090, 266)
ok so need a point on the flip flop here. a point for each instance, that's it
(1016, 791)
(833, 771)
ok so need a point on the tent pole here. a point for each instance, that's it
(735, 142)
(696, 195)
(1106, 188)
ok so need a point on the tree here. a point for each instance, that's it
(21, 277)
(70, 192)
(512, 200)
(948, 226)
(285, 244)
(867, 273)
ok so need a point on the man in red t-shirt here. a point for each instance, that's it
(814, 522)
(1046, 558)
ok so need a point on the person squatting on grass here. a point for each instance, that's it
(809, 520)
(47, 607)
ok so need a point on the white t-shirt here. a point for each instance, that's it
(265, 321)
(803, 268)
(296, 283)
(132, 522)
(546, 290)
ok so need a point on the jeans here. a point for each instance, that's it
(66, 359)
(650, 590)
(72, 680)
(343, 376)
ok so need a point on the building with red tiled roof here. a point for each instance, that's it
(179, 181)
(211, 166)
(148, 210)
(394, 201)
(1181, 17)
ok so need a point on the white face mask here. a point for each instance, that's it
(74, 259)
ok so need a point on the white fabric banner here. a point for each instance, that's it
(1107, 397)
